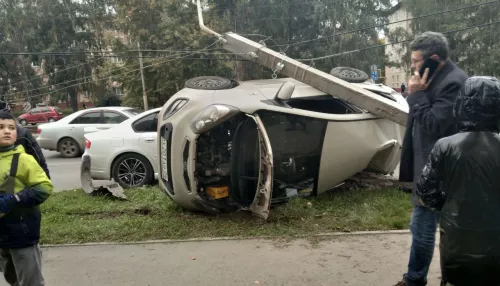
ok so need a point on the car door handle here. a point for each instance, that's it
(149, 139)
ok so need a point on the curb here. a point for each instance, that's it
(208, 239)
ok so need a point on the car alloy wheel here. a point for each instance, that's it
(23, 122)
(69, 148)
(52, 120)
(132, 170)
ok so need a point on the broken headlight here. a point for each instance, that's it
(212, 116)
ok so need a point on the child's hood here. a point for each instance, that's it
(19, 149)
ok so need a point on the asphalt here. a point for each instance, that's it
(339, 260)
(65, 172)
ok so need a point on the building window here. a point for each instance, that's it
(118, 91)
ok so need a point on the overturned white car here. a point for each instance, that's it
(228, 146)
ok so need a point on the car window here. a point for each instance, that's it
(324, 104)
(148, 123)
(35, 110)
(113, 117)
(45, 109)
(131, 111)
(88, 118)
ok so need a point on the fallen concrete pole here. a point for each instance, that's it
(258, 53)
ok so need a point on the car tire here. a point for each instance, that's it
(127, 177)
(68, 148)
(23, 122)
(208, 83)
(51, 120)
(348, 74)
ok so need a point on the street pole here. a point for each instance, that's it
(144, 94)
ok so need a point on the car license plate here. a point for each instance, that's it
(163, 154)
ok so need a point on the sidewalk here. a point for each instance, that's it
(340, 260)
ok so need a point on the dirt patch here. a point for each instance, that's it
(142, 211)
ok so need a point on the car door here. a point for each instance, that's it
(44, 114)
(77, 125)
(261, 204)
(35, 116)
(110, 118)
(146, 127)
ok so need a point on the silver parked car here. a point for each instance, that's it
(228, 146)
(66, 135)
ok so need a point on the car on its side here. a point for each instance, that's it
(127, 152)
(41, 114)
(227, 146)
(66, 135)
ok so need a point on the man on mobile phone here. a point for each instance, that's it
(432, 89)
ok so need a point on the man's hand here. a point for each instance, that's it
(417, 83)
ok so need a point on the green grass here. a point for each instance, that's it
(74, 217)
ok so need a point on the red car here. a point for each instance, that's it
(41, 114)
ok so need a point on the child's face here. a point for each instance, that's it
(8, 132)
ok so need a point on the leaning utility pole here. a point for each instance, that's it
(144, 94)
(279, 63)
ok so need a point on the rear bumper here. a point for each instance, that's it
(98, 170)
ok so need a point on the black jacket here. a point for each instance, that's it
(430, 118)
(462, 180)
(31, 147)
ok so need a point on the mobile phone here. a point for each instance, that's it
(432, 65)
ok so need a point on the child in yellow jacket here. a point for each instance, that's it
(24, 185)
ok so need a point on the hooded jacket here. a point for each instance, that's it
(31, 147)
(21, 226)
(462, 179)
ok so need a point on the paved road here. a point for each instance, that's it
(64, 172)
(353, 260)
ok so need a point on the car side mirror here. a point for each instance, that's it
(285, 92)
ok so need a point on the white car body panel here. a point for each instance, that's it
(107, 145)
(52, 133)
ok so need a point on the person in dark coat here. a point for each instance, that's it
(461, 179)
(430, 118)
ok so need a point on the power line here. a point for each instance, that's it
(65, 82)
(184, 58)
(386, 24)
(170, 60)
(290, 44)
(395, 43)
(188, 51)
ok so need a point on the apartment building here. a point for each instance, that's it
(395, 75)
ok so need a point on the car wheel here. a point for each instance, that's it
(132, 170)
(69, 148)
(52, 120)
(23, 122)
(349, 74)
(208, 83)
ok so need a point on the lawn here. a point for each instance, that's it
(74, 217)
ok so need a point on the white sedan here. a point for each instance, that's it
(126, 153)
(66, 135)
